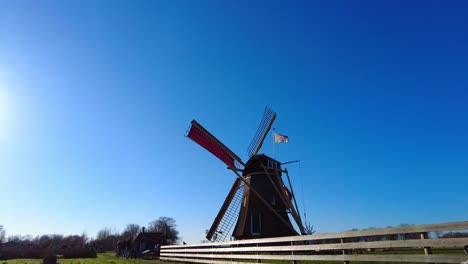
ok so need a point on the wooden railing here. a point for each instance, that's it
(383, 244)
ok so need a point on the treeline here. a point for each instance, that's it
(106, 239)
(73, 246)
(79, 246)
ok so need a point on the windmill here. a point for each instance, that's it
(258, 203)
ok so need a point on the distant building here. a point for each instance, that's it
(149, 243)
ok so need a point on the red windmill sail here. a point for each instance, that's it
(205, 139)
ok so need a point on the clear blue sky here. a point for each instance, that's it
(96, 96)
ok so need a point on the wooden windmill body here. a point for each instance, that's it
(258, 204)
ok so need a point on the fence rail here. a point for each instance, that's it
(379, 245)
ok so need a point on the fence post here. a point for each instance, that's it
(344, 251)
(292, 254)
(427, 250)
(258, 260)
(212, 252)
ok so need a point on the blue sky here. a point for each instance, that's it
(96, 96)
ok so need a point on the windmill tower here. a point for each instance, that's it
(258, 203)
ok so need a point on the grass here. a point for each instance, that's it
(109, 258)
(103, 258)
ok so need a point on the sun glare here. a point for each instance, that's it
(11, 108)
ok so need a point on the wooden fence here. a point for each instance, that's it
(398, 244)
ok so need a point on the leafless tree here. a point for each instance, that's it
(14, 238)
(2, 234)
(106, 239)
(167, 226)
(103, 234)
(131, 231)
(309, 229)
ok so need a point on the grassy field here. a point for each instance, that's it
(109, 258)
(104, 258)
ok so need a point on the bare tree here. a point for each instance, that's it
(131, 231)
(104, 234)
(2, 234)
(14, 238)
(167, 226)
(85, 238)
(309, 229)
(106, 239)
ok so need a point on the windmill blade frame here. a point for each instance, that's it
(258, 204)
(202, 137)
(221, 225)
(264, 127)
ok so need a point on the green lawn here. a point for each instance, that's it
(109, 258)
(104, 258)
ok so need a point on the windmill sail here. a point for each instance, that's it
(205, 139)
(265, 126)
(227, 215)
(257, 205)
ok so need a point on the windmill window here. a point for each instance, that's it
(273, 200)
(256, 224)
(272, 164)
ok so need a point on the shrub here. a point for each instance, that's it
(22, 253)
(38, 253)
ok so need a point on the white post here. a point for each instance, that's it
(274, 156)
